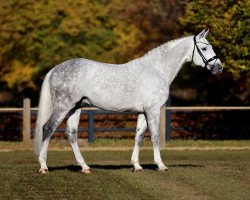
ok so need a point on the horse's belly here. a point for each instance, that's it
(114, 102)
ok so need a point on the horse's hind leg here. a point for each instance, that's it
(140, 129)
(48, 130)
(71, 133)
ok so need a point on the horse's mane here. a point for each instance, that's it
(165, 46)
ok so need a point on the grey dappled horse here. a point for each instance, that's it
(141, 85)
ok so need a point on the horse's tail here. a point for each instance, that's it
(44, 112)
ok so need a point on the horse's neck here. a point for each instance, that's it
(170, 57)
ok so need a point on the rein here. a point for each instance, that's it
(202, 56)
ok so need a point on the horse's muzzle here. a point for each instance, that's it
(216, 68)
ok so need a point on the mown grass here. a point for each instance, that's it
(191, 175)
(174, 143)
(130, 142)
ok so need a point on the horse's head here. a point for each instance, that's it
(203, 54)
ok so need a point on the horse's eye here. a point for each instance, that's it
(204, 48)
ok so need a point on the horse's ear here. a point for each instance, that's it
(206, 33)
(201, 34)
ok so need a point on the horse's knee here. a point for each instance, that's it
(155, 140)
(139, 138)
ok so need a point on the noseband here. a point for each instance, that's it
(202, 56)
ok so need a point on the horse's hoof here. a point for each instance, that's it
(138, 170)
(44, 171)
(162, 169)
(86, 171)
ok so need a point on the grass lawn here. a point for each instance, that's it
(129, 143)
(191, 175)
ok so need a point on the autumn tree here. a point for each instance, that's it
(158, 20)
(37, 35)
(229, 23)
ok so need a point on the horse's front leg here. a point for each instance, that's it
(140, 129)
(153, 119)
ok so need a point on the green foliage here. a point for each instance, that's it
(229, 22)
(37, 35)
(41, 34)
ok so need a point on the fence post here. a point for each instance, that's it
(163, 127)
(91, 126)
(26, 122)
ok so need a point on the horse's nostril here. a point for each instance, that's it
(221, 68)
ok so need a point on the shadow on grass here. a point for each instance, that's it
(185, 165)
(75, 168)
